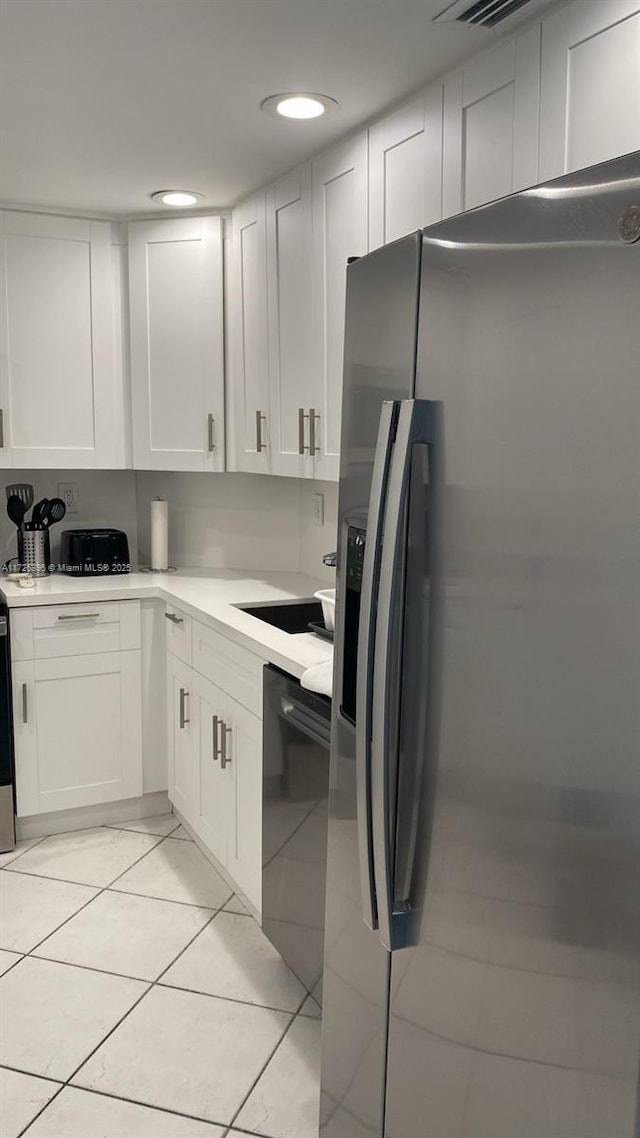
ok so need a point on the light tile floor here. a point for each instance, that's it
(139, 999)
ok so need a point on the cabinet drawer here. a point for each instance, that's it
(49, 631)
(236, 671)
(178, 633)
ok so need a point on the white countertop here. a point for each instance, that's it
(206, 594)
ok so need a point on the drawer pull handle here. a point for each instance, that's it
(313, 416)
(211, 442)
(183, 699)
(225, 761)
(260, 418)
(79, 616)
(25, 705)
(216, 749)
(173, 618)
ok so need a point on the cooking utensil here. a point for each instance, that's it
(55, 512)
(16, 509)
(23, 491)
(39, 512)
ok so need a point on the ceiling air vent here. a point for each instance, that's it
(483, 13)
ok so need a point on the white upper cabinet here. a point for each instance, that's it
(177, 350)
(590, 106)
(249, 339)
(340, 231)
(289, 252)
(405, 169)
(60, 386)
(491, 113)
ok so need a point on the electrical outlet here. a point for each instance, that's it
(318, 509)
(68, 491)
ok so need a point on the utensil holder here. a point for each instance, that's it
(34, 551)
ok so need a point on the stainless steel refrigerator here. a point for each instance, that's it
(482, 953)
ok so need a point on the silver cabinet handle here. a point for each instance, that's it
(301, 418)
(313, 416)
(183, 699)
(416, 425)
(216, 750)
(225, 761)
(260, 419)
(211, 444)
(173, 618)
(1, 427)
(25, 706)
(79, 616)
(366, 655)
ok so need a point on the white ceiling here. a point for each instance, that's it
(104, 101)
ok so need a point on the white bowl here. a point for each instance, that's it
(327, 598)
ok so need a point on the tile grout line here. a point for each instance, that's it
(117, 1098)
(253, 1086)
(41, 1111)
(150, 985)
(101, 890)
(35, 843)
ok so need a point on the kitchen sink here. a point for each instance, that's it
(293, 617)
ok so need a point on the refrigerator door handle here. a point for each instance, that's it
(416, 425)
(366, 649)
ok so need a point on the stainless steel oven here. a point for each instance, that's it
(297, 730)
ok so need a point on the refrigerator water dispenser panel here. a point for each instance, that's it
(353, 587)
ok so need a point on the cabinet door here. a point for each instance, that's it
(491, 111)
(214, 796)
(244, 756)
(182, 731)
(405, 169)
(590, 104)
(77, 729)
(59, 396)
(177, 356)
(249, 339)
(289, 303)
(340, 231)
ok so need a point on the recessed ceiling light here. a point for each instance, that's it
(299, 105)
(181, 198)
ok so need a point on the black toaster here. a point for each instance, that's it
(91, 552)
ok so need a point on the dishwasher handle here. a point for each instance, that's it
(311, 725)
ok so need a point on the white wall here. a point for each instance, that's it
(216, 521)
(317, 540)
(239, 521)
(105, 498)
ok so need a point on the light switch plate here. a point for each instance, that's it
(68, 491)
(318, 509)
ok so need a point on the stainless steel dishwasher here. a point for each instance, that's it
(297, 729)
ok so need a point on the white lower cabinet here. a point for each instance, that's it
(77, 730)
(214, 796)
(244, 839)
(215, 768)
(182, 737)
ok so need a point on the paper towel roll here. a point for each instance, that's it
(160, 534)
